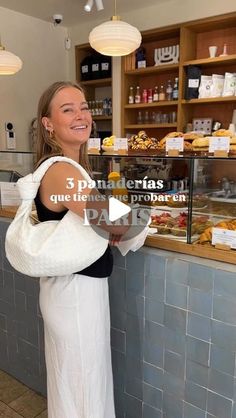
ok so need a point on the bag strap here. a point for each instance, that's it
(41, 170)
(28, 186)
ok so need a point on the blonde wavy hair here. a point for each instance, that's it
(47, 146)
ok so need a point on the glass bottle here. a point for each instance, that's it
(155, 94)
(162, 95)
(131, 95)
(146, 117)
(169, 91)
(144, 96)
(137, 98)
(110, 107)
(149, 95)
(139, 118)
(176, 89)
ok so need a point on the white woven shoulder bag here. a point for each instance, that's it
(51, 248)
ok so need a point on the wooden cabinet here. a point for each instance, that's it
(194, 39)
(95, 90)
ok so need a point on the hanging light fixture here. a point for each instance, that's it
(115, 37)
(9, 63)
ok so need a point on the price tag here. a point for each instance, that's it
(175, 144)
(224, 236)
(193, 83)
(219, 143)
(121, 145)
(94, 145)
(9, 194)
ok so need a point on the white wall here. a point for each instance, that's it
(151, 16)
(40, 45)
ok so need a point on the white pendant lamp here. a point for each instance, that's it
(9, 63)
(115, 37)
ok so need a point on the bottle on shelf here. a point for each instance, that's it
(105, 107)
(169, 91)
(162, 95)
(131, 95)
(176, 89)
(110, 107)
(137, 98)
(155, 94)
(146, 117)
(140, 57)
(145, 96)
(140, 118)
(149, 95)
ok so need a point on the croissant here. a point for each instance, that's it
(222, 224)
(206, 236)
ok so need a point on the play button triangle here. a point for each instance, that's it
(117, 209)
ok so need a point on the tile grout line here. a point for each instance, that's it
(12, 409)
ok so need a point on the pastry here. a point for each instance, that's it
(142, 142)
(206, 236)
(223, 132)
(190, 136)
(201, 143)
(187, 146)
(174, 135)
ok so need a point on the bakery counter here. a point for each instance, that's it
(173, 354)
(166, 338)
(8, 212)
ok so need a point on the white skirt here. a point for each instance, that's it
(76, 315)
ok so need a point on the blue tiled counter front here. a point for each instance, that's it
(173, 333)
(173, 336)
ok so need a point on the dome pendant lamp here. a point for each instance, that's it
(9, 63)
(115, 37)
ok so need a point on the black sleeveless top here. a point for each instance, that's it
(101, 267)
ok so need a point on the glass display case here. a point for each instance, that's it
(197, 197)
(15, 164)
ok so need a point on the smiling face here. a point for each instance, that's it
(70, 119)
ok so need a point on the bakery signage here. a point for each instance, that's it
(9, 194)
(94, 145)
(176, 144)
(219, 143)
(121, 145)
(224, 237)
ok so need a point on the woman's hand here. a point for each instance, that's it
(114, 239)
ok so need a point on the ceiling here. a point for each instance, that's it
(72, 10)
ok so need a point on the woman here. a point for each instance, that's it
(75, 308)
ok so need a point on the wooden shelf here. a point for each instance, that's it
(102, 117)
(211, 100)
(154, 104)
(228, 59)
(154, 69)
(151, 125)
(97, 83)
